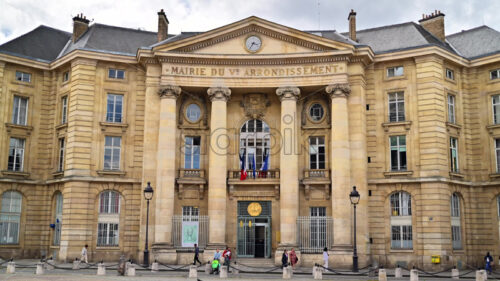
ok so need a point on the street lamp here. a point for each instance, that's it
(354, 196)
(148, 195)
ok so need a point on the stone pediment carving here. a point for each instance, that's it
(255, 105)
(230, 39)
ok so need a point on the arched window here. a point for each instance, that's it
(58, 218)
(109, 218)
(401, 224)
(10, 217)
(255, 143)
(456, 234)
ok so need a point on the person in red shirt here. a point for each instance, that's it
(227, 256)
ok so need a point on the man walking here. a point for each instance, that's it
(196, 254)
(84, 254)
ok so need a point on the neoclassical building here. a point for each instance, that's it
(252, 136)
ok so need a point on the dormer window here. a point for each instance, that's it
(116, 73)
(65, 76)
(495, 74)
(450, 74)
(395, 71)
(23, 76)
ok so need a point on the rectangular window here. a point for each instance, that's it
(398, 153)
(396, 107)
(64, 110)
(401, 237)
(20, 111)
(496, 109)
(60, 164)
(65, 76)
(192, 153)
(107, 234)
(190, 213)
(318, 227)
(116, 73)
(16, 155)
(495, 74)
(316, 153)
(112, 151)
(451, 109)
(114, 108)
(454, 155)
(497, 153)
(395, 71)
(450, 74)
(23, 76)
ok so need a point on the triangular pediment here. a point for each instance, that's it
(231, 39)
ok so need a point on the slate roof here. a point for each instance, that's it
(47, 44)
(477, 42)
(112, 39)
(42, 43)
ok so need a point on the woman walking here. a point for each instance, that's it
(293, 258)
(325, 257)
(284, 259)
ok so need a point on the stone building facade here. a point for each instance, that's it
(252, 136)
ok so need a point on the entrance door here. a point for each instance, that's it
(254, 232)
(246, 237)
(260, 241)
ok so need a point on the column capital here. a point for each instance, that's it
(169, 92)
(288, 93)
(219, 93)
(338, 90)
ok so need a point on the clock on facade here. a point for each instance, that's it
(253, 43)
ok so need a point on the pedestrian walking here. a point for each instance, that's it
(196, 254)
(488, 259)
(85, 254)
(284, 259)
(293, 258)
(325, 257)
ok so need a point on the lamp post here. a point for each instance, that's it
(354, 196)
(148, 195)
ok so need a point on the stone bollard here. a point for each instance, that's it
(131, 270)
(223, 271)
(101, 269)
(382, 275)
(480, 275)
(398, 273)
(317, 273)
(455, 274)
(155, 267)
(413, 275)
(76, 264)
(208, 268)
(193, 271)
(39, 268)
(127, 266)
(287, 272)
(11, 267)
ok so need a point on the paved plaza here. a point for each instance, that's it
(25, 270)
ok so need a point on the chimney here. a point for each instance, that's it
(352, 25)
(434, 23)
(162, 26)
(80, 26)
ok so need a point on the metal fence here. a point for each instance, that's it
(314, 233)
(177, 230)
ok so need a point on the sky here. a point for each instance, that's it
(20, 16)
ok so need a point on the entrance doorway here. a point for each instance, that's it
(254, 232)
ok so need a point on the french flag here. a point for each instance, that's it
(265, 165)
(243, 173)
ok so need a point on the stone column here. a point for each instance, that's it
(289, 172)
(217, 155)
(165, 163)
(341, 168)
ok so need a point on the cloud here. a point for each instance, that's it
(20, 16)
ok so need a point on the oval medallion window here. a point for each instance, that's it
(316, 112)
(193, 112)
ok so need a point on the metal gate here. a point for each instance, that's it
(247, 229)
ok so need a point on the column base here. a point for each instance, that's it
(163, 253)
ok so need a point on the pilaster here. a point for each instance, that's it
(289, 174)
(219, 142)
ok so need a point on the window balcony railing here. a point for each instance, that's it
(316, 173)
(259, 175)
(191, 173)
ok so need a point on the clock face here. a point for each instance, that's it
(253, 43)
